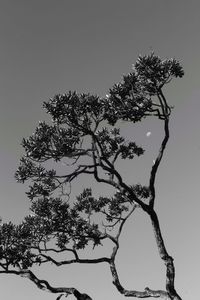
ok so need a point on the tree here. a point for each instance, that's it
(84, 138)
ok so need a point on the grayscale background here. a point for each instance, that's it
(49, 47)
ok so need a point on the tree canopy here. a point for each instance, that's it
(84, 138)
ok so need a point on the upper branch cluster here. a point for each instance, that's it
(131, 99)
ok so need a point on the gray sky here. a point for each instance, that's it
(49, 47)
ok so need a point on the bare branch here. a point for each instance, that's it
(77, 260)
(124, 220)
(44, 284)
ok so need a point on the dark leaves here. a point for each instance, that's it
(51, 142)
(15, 246)
(113, 144)
(44, 181)
(130, 99)
(151, 68)
(76, 110)
(142, 192)
(110, 206)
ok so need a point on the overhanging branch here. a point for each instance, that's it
(45, 286)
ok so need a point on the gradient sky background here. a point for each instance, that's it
(49, 47)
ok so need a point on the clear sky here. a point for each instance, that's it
(49, 47)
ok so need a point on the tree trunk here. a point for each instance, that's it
(168, 260)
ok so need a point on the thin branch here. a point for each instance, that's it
(41, 250)
(96, 175)
(77, 260)
(167, 107)
(111, 169)
(124, 220)
(117, 219)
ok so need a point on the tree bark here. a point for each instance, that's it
(80, 296)
(168, 260)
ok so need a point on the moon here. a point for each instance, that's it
(148, 133)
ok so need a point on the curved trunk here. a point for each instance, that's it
(168, 260)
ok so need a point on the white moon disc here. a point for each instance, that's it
(148, 133)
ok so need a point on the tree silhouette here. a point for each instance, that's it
(84, 138)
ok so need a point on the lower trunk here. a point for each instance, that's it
(168, 260)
